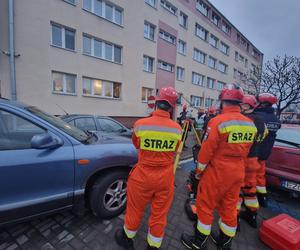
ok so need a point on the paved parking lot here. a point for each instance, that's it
(66, 231)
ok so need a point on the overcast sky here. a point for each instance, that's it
(273, 26)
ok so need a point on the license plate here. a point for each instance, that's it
(291, 185)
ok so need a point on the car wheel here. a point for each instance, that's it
(108, 194)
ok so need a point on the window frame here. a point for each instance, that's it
(164, 3)
(149, 25)
(198, 76)
(200, 53)
(147, 94)
(165, 36)
(184, 47)
(199, 27)
(103, 49)
(210, 59)
(63, 29)
(217, 41)
(222, 44)
(154, 5)
(225, 67)
(182, 17)
(103, 88)
(147, 58)
(201, 6)
(160, 62)
(178, 69)
(208, 83)
(199, 100)
(103, 11)
(64, 83)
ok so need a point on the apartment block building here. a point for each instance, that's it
(107, 57)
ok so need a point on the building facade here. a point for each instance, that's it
(106, 57)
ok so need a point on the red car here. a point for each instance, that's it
(283, 166)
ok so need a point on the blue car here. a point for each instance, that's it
(47, 165)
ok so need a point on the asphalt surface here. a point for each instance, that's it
(66, 231)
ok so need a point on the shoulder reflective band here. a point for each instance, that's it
(239, 131)
(158, 138)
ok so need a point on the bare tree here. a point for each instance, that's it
(281, 77)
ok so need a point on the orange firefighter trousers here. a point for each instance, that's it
(261, 178)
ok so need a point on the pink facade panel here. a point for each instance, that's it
(166, 52)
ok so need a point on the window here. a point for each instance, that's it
(221, 85)
(241, 58)
(183, 20)
(199, 56)
(151, 2)
(210, 83)
(180, 74)
(63, 37)
(146, 92)
(198, 79)
(181, 48)
(215, 19)
(226, 28)
(16, 132)
(246, 63)
(213, 41)
(70, 1)
(224, 48)
(149, 31)
(222, 67)
(101, 49)
(234, 73)
(167, 37)
(168, 6)
(243, 42)
(212, 62)
(101, 88)
(236, 56)
(148, 63)
(180, 98)
(201, 32)
(63, 83)
(165, 66)
(196, 101)
(209, 102)
(104, 9)
(202, 7)
(85, 124)
(253, 68)
(109, 126)
(255, 54)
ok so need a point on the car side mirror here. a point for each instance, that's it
(45, 141)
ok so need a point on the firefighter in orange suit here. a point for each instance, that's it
(152, 179)
(252, 165)
(221, 166)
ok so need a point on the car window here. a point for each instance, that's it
(289, 135)
(16, 132)
(60, 124)
(108, 125)
(85, 123)
(72, 122)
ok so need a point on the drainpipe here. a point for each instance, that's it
(12, 65)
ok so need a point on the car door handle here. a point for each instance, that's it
(292, 153)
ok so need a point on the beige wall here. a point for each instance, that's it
(38, 58)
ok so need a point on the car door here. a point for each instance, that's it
(32, 181)
(111, 126)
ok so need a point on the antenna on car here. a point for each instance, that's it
(62, 109)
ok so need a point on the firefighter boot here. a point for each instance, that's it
(262, 200)
(197, 241)
(123, 240)
(222, 241)
(250, 217)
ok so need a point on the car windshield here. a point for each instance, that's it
(288, 134)
(59, 123)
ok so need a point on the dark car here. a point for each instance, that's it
(97, 123)
(283, 166)
(47, 165)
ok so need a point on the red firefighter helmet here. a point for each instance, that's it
(169, 95)
(268, 98)
(212, 110)
(232, 92)
(250, 100)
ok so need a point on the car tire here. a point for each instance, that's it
(108, 194)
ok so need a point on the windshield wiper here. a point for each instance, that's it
(288, 142)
